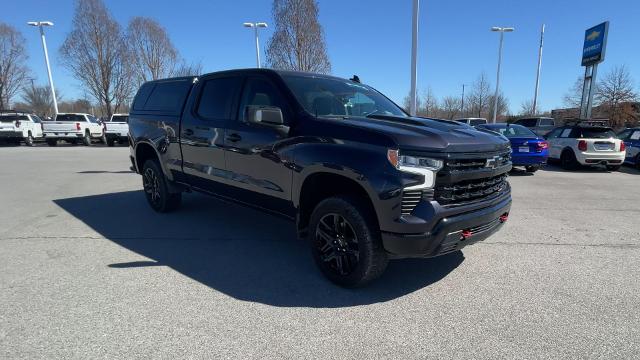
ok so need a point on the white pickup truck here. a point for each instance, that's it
(117, 129)
(73, 128)
(18, 126)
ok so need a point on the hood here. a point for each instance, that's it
(432, 135)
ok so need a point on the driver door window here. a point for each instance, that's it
(261, 92)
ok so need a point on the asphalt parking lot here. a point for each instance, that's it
(87, 270)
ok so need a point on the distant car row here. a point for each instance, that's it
(575, 144)
(17, 127)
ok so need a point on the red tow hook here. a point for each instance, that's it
(504, 217)
(466, 234)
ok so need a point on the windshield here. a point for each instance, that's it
(598, 133)
(120, 118)
(512, 131)
(336, 97)
(70, 117)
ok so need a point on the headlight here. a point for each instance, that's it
(427, 167)
(420, 162)
(399, 161)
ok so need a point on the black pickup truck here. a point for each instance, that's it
(363, 181)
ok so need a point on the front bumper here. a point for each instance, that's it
(450, 233)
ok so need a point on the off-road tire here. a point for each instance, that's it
(156, 190)
(371, 257)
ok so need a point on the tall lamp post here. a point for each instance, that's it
(535, 96)
(501, 30)
(414, 59)
(255, 27)
(40, 25)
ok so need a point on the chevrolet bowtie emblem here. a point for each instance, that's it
(492, 162)
(593, 35)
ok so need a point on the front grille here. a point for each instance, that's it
(470, 190)
(468, 180)
(457, 165)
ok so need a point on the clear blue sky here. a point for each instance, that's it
(372, 38)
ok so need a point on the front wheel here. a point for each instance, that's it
(532, 169)
(111, 142)
(156, 190)
(345, 242)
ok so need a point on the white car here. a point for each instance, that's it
(117, 129)
(18, 126)
(73, 128)
(472, 121)
(575, 145)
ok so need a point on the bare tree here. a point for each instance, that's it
(615, 89)
(430, 104)
(480, 97)
(526, 108)
(95, 52)
(503, 106)
(406, 103)
(152, 53)
(298, 40)
(13, 71)
(573, 97)
(39, 99)
(184, 69)
(451, 107)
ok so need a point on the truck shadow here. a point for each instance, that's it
(239, 251)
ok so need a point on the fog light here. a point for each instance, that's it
(466, 234)
(504, 217)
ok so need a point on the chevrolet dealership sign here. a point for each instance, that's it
(595, 43)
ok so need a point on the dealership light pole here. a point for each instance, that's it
(414, 59)
(501, 30)
(255, 27)
(535, 96)
(40, 25)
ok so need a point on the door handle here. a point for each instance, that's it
(234, 137)
(188, 132)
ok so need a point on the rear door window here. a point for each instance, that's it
(217, 98)
(565, 133)
(554, 133)
(635, 135)
(168, 96)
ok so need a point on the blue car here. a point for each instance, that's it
(527, 148)
(631, 138)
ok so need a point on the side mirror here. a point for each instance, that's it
(267, 115)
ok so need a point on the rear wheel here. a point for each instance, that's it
(345, 242)
(638, 162)
(532, 168)
(29, 140)
(86, 139)
(156, 190)
(568, 160)
(111, 142)
(613, 167)
(52, 142)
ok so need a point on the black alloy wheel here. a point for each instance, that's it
(345, 241)
(154, 184)
(337, 244)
